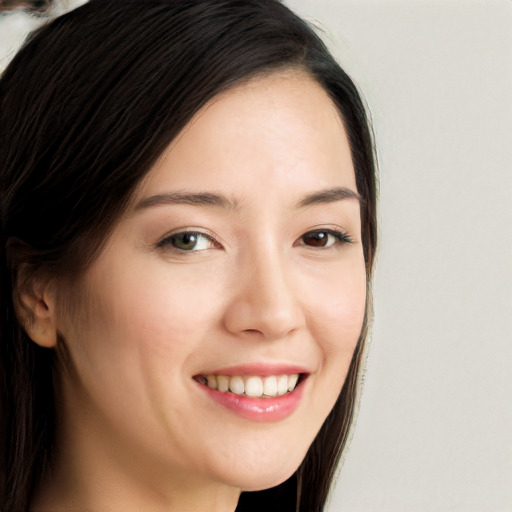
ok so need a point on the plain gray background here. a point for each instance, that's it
(434, 431)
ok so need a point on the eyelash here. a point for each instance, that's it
(340, 238)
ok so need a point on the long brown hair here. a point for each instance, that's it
(86, 108)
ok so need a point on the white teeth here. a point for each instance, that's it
(292, 381)
(253, 386)
(270, 386)
(282, 385)
(236, 385)
(222, 383)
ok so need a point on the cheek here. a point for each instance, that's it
(337, 318)
(158, 305)
(337, 313)
(172, 314)
(132, 346)
(140, 334)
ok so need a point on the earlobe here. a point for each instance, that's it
(35, 308)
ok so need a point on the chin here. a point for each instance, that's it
(266, 483)
(262, 473)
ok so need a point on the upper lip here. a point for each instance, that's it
(260, 369)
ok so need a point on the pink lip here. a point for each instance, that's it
(258, 409)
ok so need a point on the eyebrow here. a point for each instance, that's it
(329, 195)
(213, 199)
(190, 198)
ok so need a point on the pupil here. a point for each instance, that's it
(318, 239)
(186, 240)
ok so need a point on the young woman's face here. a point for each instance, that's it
(240, 265)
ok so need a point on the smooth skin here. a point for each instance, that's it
(157, 307)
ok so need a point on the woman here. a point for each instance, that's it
(188, 232)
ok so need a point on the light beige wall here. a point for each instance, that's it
(435, 424)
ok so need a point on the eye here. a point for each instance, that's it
(325, 238)
(189, 241)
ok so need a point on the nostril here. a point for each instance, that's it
(252, 331)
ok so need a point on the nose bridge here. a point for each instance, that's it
(266, 300)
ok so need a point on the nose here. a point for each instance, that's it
(266, 300)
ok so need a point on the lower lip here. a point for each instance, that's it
(258, 409)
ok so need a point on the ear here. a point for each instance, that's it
(35, 305)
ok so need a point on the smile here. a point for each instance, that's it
(254, 386)
(256, 392)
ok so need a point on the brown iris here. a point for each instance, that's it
(316, 238)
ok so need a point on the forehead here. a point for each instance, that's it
(279, 132)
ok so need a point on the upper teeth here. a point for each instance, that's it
(254, 386)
